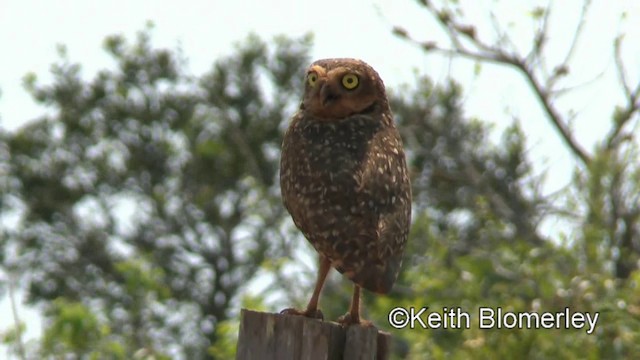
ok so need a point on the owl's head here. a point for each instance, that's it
(338, 88)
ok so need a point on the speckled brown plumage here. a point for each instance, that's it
(344, 178)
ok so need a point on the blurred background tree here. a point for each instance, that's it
(507, 263)
(148, 201)
(149, 197)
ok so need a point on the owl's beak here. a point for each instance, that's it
(327, 94)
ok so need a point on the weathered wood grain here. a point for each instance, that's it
(267, 336)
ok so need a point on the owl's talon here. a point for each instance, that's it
(346, 320)
(317, 314)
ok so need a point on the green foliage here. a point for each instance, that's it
(11, 336)
(75, 329)
(475, 241)
(150, 195)
(225, 348)
(74, 326)
(140, 277)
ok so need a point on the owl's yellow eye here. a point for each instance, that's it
(350, 81)
(312, 79)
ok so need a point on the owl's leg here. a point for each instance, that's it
(353, 316)
(312, 310)
(312, 307)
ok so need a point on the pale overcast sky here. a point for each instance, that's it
(206, 29)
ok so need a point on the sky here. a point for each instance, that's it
(205, 30)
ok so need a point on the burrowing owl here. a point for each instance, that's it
(344, 178)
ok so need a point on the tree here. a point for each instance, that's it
(606, 177)
(149, 196)
(596, 269)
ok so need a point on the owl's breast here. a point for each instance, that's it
(321, 172)
(347, 189)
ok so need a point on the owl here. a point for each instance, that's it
(344, 179)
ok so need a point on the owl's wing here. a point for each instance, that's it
(385, 188)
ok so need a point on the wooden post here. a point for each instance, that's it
(281, 337)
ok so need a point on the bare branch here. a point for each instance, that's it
(16, 319)
(498, 56)
(564, 90)
(430, 46)
(455, 30)
(578, 32)
(632, 95)
(562, 69)
(622, 72)
(503, 39)
(554, 115)
(540, 39)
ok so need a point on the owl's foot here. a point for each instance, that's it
(347, 320)
(353, 316)
(314, 314)
(312, 310)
